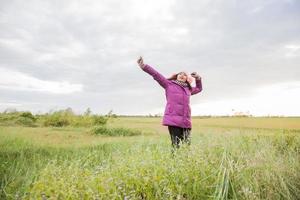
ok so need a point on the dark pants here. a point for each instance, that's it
(179, 135)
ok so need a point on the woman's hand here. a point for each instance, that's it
(141, 62)
(195, 75)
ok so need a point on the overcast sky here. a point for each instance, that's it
(80, 54)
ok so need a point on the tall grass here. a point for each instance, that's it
(103, 130)
(232, 165)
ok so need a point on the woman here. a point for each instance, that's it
(177, 114)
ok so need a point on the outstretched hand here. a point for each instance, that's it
(141, 62)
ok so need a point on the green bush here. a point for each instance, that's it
(58, 119)
(82, 121)
(28, 115)
(18, 118)
(102, 130)
(24, 121)
(99, 120)
(8, 118)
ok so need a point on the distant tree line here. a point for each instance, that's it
(58, 118)
(67, 117)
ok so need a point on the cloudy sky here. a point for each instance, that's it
(58, 54)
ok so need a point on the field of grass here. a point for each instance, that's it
(229, 158)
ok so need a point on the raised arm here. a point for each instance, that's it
(152, 72)
(198, 88)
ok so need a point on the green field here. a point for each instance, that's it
(229, 158)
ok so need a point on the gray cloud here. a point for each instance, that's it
(236, 47)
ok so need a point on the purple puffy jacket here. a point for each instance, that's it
(177, 110)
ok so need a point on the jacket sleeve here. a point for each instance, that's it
(198, 87)
(156, 75)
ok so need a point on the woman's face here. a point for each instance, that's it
(182, 76)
